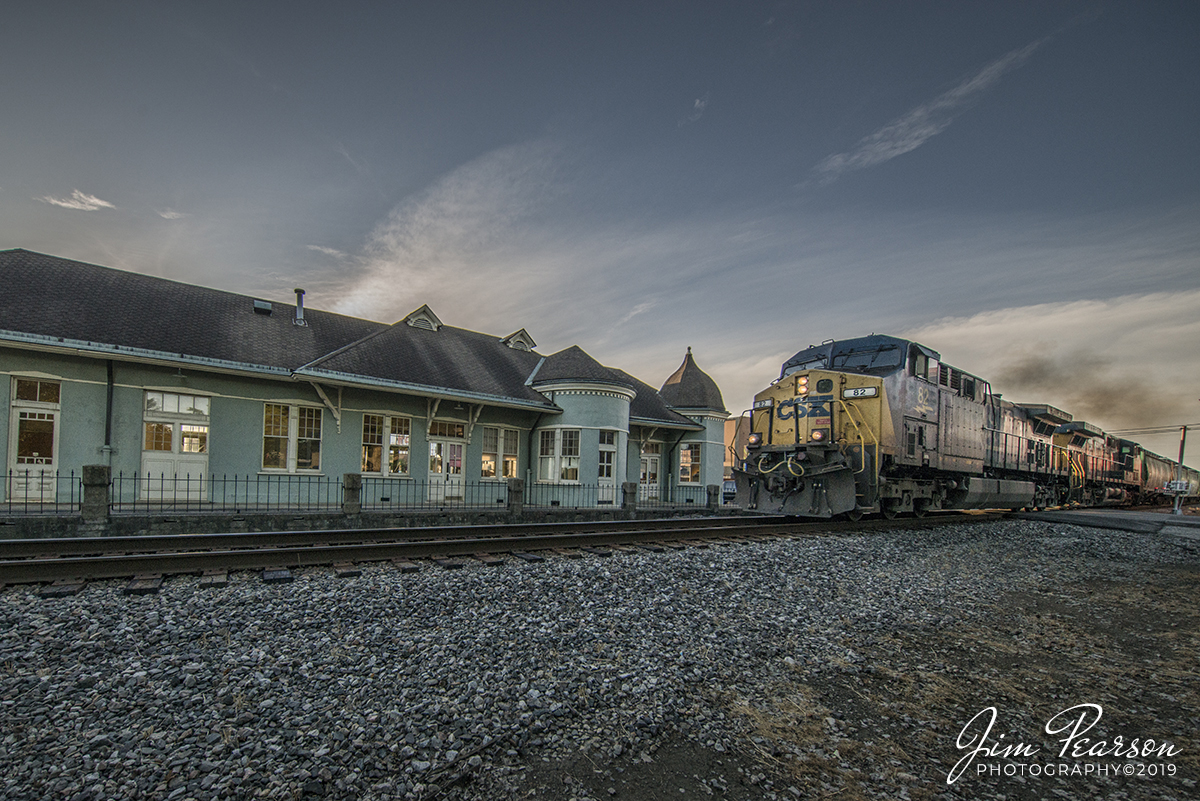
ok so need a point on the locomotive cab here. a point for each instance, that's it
(814, 446)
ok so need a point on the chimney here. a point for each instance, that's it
(299, 307)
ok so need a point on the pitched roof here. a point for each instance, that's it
(454, 359)
(648, 407)
(46, 300)
(689, 387)
(76, 302)
(573, 364)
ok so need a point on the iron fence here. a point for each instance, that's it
(132, 493)
(394, 493)
(572, 496)
(42, 492)
(674, 497)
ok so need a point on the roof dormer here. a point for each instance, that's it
(424, 318)
(519, 340)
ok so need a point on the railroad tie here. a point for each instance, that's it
(596, 550)
(347, 570)
(405, 566)
(214, 578)
(63, 588)
(145, 584)
(276, 575)
(490, 559)
(448, 562)
(569, 553)
(528, 557)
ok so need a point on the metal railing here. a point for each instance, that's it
(403, 493)
(42, 492)
(139, 492)
(546, 495)
(36, 492)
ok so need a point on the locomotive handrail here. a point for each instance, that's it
(850, 408)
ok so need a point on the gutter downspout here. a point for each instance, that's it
(107, 450)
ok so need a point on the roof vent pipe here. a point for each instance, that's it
(299, 307)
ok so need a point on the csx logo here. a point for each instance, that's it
(816, 406)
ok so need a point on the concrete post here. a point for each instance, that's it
(714, 497)
(629, 494)
(351, 493)
(96, 480)
(516, 496)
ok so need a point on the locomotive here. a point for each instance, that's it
(882, 425)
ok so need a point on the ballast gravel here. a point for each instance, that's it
(478, 682)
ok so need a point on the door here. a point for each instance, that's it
(33, 467)
(174, 461)
(445, 470)
(648, 481)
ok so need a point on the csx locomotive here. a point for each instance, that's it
(880, 424)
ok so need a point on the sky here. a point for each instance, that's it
(1014, 184)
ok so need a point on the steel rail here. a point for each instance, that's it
(91, 546)
(109, 566)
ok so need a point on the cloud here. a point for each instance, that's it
(171, 214)
(1122, 363)
(78, 201)
(922, 123)
(469, 231)
(337, 254)
(698, 107)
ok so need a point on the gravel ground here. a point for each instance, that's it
(839, 667)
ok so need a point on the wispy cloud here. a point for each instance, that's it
(457, 233)
(922, 123)
(337, 254)
(171, 214)
(698, 107)
(78, 201)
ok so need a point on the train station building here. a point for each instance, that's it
(193, 395)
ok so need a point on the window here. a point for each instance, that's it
(291, 437)
(175, 423)
(608, 455)
(558, 455)
(689, 464)
(29, 389)
(500, 449)
(36, 430)
(442, 428)
(392, 433)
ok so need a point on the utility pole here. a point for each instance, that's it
(1178, 510)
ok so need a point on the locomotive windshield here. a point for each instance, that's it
(876, 359)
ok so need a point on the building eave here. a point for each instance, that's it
(74, 347)
(422, 390)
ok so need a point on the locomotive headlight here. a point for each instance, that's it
(754, 440)
(818, 435)
(802, 385)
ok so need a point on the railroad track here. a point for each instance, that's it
(70, 562)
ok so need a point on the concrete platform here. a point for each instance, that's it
(1186, 525)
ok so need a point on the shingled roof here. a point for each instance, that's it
(689, 387)
(46, 301)
(102, 309)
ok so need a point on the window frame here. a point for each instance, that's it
(181, 426)
(558, 460)
(502, 457)
(388, 429)
(292, 438)
(693, 463)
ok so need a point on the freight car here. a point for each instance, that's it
(882, 424)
